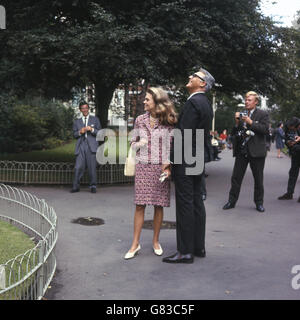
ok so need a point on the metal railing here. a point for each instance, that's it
(57, 173)
(27, 276)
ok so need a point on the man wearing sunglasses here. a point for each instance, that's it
(196, 114)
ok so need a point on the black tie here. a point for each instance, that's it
(85, 135)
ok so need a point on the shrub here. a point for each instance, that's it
(33, 123)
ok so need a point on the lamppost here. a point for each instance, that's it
(214, 107)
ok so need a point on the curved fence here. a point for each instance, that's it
(57, 173)
(27, 276)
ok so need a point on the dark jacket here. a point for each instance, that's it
(91, 137)
(290, 135)
(197, 113)
(256, 145)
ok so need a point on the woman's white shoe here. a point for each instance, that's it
(158, 251)
(130, 255)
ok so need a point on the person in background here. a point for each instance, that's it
(269, 138)
(249, 147)
(279, 139)
(223, 139)
(85, 131)
(292, 134)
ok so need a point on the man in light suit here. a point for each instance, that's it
(85, 131)
(196, 114)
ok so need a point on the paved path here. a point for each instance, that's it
(249, 254)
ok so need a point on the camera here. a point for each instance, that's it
(291, 136)
(243, 114)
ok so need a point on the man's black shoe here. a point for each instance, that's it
(179, 258)
(298, 199)
(260, 208)
(228, 205)
(217, 159)
(201, 254)
(74, 190)
(286, 196)
(93, 190)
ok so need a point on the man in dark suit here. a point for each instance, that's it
(85, 131)
(249, 146)
(292, 140)
(196, 114)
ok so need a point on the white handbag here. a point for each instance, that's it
(129, 168)
(214, 142)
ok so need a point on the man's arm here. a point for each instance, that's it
(76, 131)
(97, 126)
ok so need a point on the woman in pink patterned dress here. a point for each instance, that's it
(152, 137)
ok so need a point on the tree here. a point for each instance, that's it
(52, 46)
(285, 101)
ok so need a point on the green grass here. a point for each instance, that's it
(12, 242)
(63, 153)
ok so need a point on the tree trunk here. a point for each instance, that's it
(103, 96)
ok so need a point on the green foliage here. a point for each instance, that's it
(33, 124)
(285, 101)
(226, 108)
(51, 46)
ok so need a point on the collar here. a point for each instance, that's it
(87, 117)
(147, 122)
(195, 93)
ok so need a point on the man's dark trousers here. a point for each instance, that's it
(85, 159)
(240, 167)
(293, 173)
(190, 214)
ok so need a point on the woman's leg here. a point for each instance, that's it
(138, 224)
(278, 153)
(157, 221)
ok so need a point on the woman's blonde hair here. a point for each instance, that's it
(164, 107)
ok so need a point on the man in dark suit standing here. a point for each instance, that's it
(249, 146)
(85, 131)
(196, 114)
(292, 140)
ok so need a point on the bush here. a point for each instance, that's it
(33, 123)
(52, 142)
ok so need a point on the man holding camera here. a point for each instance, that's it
(292, 140)
(249, 146)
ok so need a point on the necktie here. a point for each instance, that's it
(85, 124)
